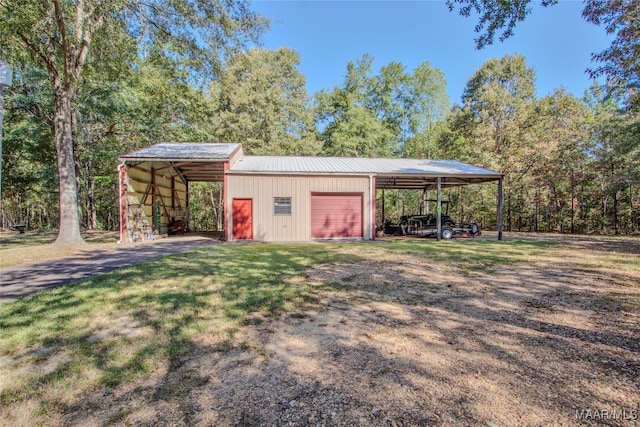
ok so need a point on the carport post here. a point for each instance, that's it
(122, 187)
(499, 210)
(439, 209)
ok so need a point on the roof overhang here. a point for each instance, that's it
(413, 182)
(389, 173)
(194, 162)
(205, 162)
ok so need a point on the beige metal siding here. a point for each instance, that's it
(295, 227)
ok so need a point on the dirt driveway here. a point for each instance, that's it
(406, 342)
(543, 334)
(26, 279)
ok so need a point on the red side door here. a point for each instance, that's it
(242, 211)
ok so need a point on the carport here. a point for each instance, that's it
(282, 191)
(154, 183)
(420, 174)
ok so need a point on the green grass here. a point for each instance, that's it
(165, 303)
(121, 327)
(474, 252)
(16, 249)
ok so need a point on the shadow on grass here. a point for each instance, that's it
(485, 252)
(151, 324)
(33, 238)
(30, 238)
(162, 305)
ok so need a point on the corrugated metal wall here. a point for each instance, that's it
(295, 227)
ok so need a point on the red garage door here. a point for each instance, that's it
(336, 215)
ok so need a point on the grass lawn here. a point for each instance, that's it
(34, 246)
(154, 343)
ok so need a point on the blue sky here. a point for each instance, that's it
(556, 41)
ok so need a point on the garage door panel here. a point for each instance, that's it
(336, 215)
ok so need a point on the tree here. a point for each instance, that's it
(58, 37)
(352, 122)
(616, 161)
(620, 62)
(427, 111)
(29, 152)
(496, 123)
(499, 98)
(495, 16)
(562, 172)
(261, 100)
(384, 114)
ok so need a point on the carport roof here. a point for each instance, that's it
(204, 162)
(390, 173)
(176, 151)
(196, 162)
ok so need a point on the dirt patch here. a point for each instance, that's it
(392, 341)
(409, 343)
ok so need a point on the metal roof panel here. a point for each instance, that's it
(183, 151)
(356, 165)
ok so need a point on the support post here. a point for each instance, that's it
(372, 203)
(225, 204)
(499, 210)
(439, 209)
(122, 177)
(173, 194)
(153, 200)
(187, 216)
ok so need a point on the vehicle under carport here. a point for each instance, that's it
(154, 188)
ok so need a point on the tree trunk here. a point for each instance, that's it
(616, 225)
(90, 203)
(69, 222)
(573, 206)
(92, 217)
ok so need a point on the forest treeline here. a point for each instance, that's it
(571, 164)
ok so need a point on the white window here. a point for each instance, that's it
(282, 205)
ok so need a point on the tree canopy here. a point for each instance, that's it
(62, 37)
(619, 63)
(96, 79)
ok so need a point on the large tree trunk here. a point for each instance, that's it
(69, 231)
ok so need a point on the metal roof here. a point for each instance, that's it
(205, 162)
(196, 162)
(173, 151)
(390, 173)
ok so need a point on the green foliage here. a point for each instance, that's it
(28, 181)
(495, 16)
(620, 62)
(570, 164)
(205, 212)
(119, 75)
(68, 40)
(385, 114)
(261, 101)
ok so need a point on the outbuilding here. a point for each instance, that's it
(276, 198)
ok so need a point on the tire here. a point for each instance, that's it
(474, 229)
(446, 233)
